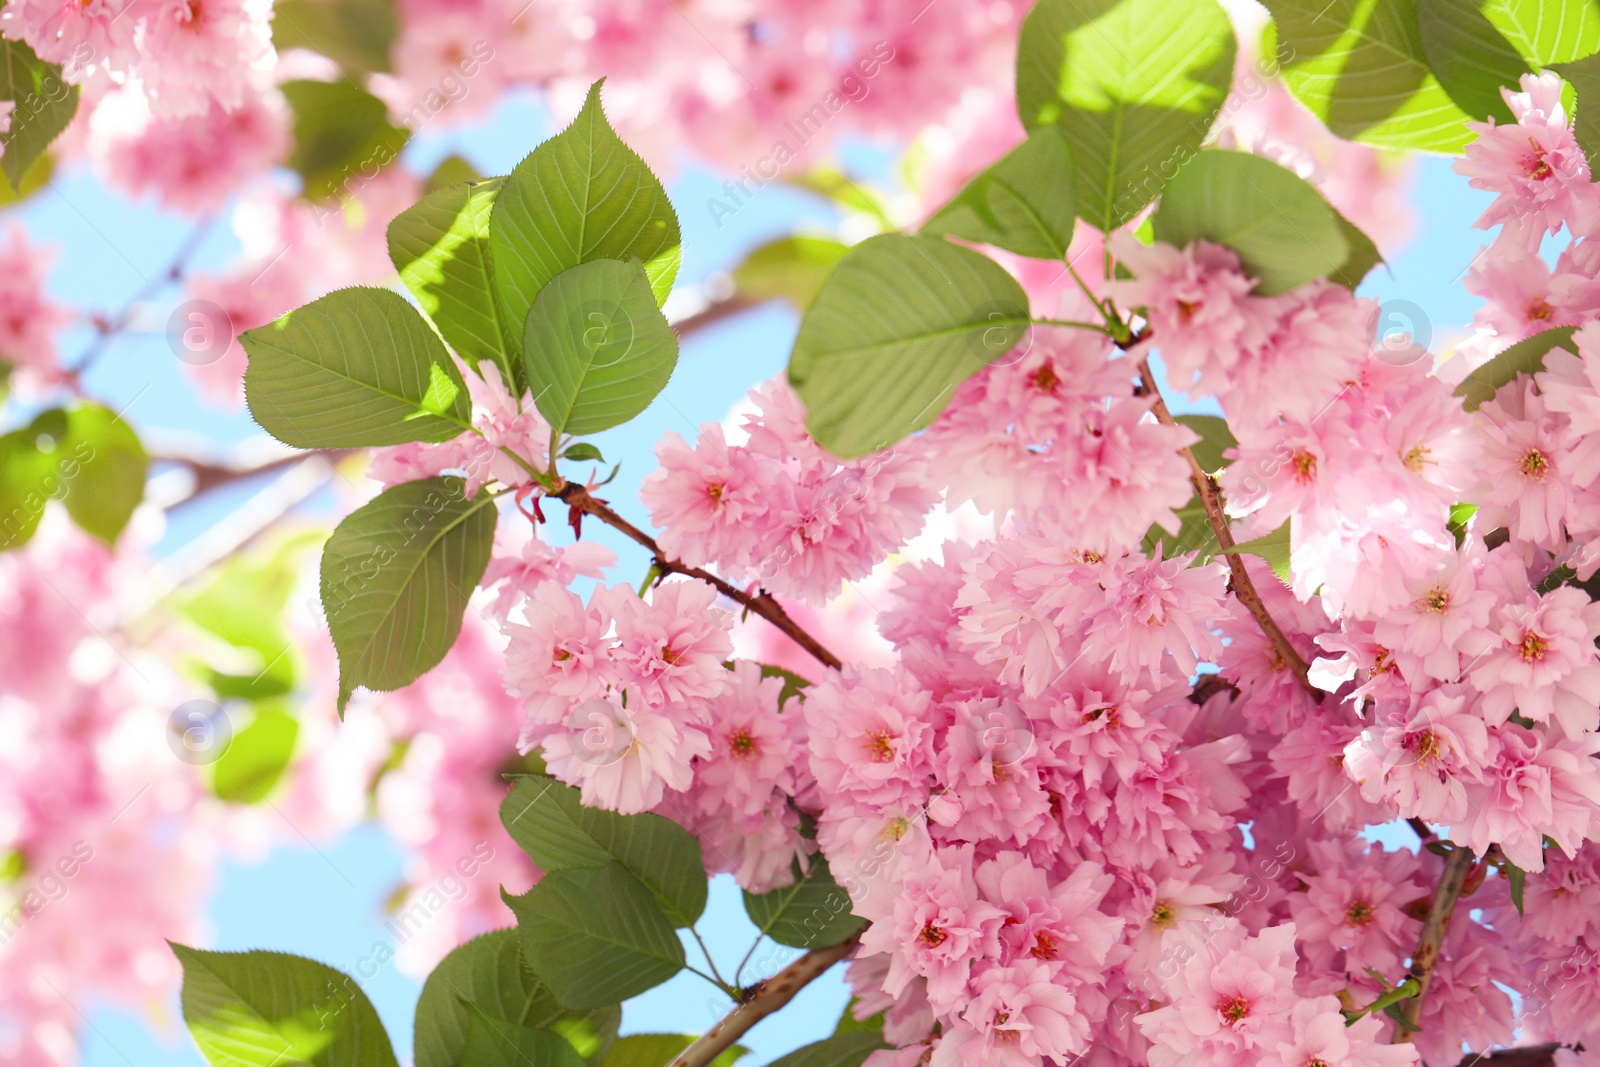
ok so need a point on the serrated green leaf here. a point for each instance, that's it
(595, 936)
(103, 467)
(358, 368)
(580, 196)
(814, 912)
(1283, 230)
(440, 245)
(659, 1050)
(36, 177)
(1215, 439)
(1026, 203)
(396, 576)
(548, 821)
(790, 268)
(452, 170)
(1272, 547)
(257, 757)
(356, 34)
(44, 107)
(793, 684)
(1524, 357)
(486, 977)
(342, 135)
(1359, 66)
(1135, 86)
(1471, 57)
(1584, 77)
(1547, 31)
(497, 1043)
(1195, 534)
(841, 1050)
(849, 1024)
(596, 347)
(898, 325)
(1364, 255)
(259, 1009)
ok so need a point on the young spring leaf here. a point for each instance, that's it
(1547, 31)
(396, 575)
(548, 821)
(499, 1043)
(814, 912)
(44, 105)
(595, 936)
(486, 977)
(596, 347)
(1283, 230)
(356, 34)
(341, 132)
(1026, 203)
(898, 325)
(1134, 84)
(110, 466)
(1359, 66)
(583, 452)
(1516, 881)
(440, 245)
(1470, 56)
(653, 1050)
(1584, 77)
(258, 1009)
(1524, 357)
(1272, 547)
(358, 368)
(790, 268)
(580, 196)
(256, 757)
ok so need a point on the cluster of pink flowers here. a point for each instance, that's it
(777, 509)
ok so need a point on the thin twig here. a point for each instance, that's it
(1243, 587)
(760, 1001)
(1423, 960)
(761, 603)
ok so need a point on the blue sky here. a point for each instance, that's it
(328, 902)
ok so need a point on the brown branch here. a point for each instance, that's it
(1243, 587)
(760, 1001)
(1426, 956)
(762, 603)
(714, 312)
(212, 474)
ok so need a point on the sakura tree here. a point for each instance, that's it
(1070, 726)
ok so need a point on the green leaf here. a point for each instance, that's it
(1524, 357)
(1516, 881)
(583, 452)
(396, 576)
(814, 912)
(29, 475)
(1364, 255)
(1547, 31)
(1359, 66)
(790, 268)
(793, 684)
(356, 34)
(898, 325)
(257, 757)
(595, 936)
(596, 346)
(1195, 534)
(242, 603)
(357, 368)
(848, 193)
(548, 821)
(497, 1043)
(1026, 203)
(1460, 516)
(453, 170)
(849, 1024)
(841, 1050)
(1272, 547)
(1584, 77)
(1283, 230)
(342, 136)
(103, 466)
(44, 106)
(658, 1050)
(1471, 58)
(258, 1009)
(1135, 86)
(487, 978)
(580, 196)
(1215, 438)
(36, 177)
(440, 245)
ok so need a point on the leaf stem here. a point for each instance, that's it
(1072, 324)
(1406, 989)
